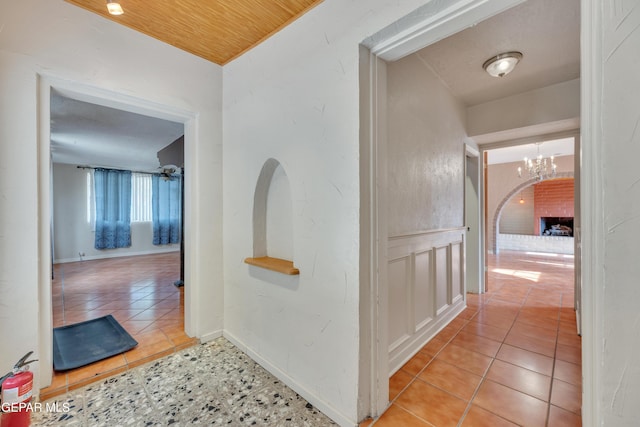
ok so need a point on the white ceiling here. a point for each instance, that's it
(87, 134)
(547, 32)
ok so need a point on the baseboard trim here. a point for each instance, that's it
(115, 255)
(310, 397)
(210, 336)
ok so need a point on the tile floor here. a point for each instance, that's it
(139, 292)
(207, 384)
(511, 358)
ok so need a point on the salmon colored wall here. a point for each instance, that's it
(553, 198)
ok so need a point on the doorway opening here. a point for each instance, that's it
(85, 130)
(395, 44)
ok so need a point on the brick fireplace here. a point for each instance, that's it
(554, 206)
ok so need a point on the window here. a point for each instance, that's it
(140, 197)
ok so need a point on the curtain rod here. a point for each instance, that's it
(116, 169)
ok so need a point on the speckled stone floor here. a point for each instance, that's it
(208, 384)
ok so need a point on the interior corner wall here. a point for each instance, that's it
(72, 232)
(425, 150)
(295, 98)
(553, 103)
(502, 179)
(62, 42)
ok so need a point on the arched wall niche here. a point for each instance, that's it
(511, 194)
(272, 220)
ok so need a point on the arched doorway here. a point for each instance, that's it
(517, 190)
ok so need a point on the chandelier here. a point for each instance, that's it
(538, 168)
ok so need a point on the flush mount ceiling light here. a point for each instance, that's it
(502, 64)
(114, 7)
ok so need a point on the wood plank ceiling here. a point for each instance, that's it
(216, 30)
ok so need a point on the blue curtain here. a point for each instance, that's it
(113, 208)
(166, 208)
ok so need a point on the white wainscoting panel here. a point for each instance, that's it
(442, 279)
(457, 271)
(426, 289)
(423, 305)
(400, 270)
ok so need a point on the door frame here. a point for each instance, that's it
(108, 98)
(534, 134)
(410, 34)
(475, 242)
(592, 232)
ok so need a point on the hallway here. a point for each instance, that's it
(511, 358)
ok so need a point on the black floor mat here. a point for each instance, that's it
(87, 342)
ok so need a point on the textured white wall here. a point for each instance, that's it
(619, 317)
(295, 98)
(425, 150)
(18, 211)
(69, 44)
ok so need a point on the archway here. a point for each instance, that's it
(509, 196)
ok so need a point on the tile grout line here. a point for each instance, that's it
(174, 347)
(484, 376)
(415, 377)
(553, 368)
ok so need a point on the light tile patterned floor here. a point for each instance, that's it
(139, 292)
(207, 384)
(511, 358)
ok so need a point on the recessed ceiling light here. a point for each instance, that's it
(502, 64)
(114, 7)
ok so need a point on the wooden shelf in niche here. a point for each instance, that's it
(274, 264)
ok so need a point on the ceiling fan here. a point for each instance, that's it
(167, 172)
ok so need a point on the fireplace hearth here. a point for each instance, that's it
(556, 226)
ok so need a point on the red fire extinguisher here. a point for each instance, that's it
(16, 389)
